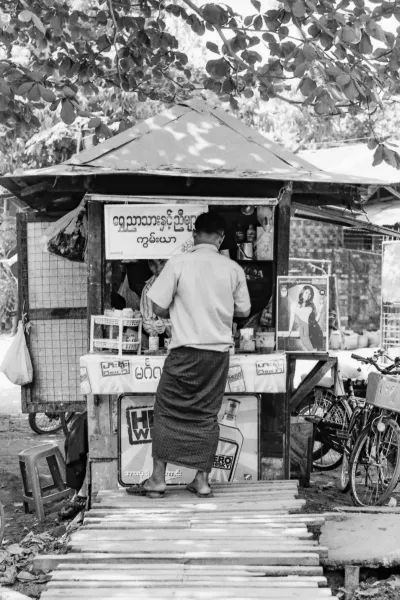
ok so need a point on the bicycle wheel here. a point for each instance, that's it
(322, 402)
(2, 523)
(375, 464)
(66, 420)
(355, 426)
(45, 423)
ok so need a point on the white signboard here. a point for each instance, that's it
(136, 231)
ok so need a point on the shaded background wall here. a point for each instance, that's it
(358, 270)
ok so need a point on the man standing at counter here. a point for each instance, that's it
(201, 291)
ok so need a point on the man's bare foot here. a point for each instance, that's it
(200, 483)
(152, 485)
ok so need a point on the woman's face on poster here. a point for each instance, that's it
(306, 294)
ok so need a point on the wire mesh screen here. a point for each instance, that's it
(57, 301)
(53, 282)
(56, 346)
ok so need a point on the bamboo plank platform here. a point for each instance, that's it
(248, 541)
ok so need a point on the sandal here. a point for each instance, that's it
(190, 488)
(73, 507)
(139, 490)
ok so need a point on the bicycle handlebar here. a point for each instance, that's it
(373, 361)
(361, 358)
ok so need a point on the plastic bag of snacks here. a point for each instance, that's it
(67, 237)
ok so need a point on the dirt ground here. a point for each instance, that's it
(15, 436)
(323, 495)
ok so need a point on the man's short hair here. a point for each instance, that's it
(210, 222)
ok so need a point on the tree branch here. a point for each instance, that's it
(114, 20)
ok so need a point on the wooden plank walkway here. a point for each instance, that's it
(249, 541)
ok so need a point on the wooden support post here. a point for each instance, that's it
(95, 253)
(351, 580)
(282, 231)
(281, 267)
(103, 464)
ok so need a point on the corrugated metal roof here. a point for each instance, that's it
(194, 139)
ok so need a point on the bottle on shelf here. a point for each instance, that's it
(229, 445)
(154, 343)
(251, 234)
(240, 236)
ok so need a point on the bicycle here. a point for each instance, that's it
(49, 422)
(375, 457)
(359, 419)
(330, 414)
(334, 419)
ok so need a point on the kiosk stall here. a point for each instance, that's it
(189, 155)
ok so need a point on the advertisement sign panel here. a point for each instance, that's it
(237, 455)
(302, 314)
(134, 231)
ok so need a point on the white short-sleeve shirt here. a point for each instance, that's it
(202, 290)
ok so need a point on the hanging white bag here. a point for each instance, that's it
(17, 364)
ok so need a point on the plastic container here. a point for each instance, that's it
(265, 342)
(154, 343)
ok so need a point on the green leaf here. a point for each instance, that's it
(5, 88)
(68, 113)
(258, 23)
(68, 92)
(47, 95)
(228, 86)
(215, 15)
(378, 156)
(218, 69)
(248, 93)
(307, 86)
(372, 144)
(322, 107)
(256, 4)
(299, 9)
(248, 20)
(38, 24)
(389, 156)
(25, 16)
(102, 18)
(34, 93)
(350, 91)
(269, 37)
(301, 68)
(95, 122)
(348, 35)
(365, 44)
(375, 31)
(309, 52)
(212, 47)
(55, 104)
(343, 79)
(24, 88)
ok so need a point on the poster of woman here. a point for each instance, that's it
(302, 314)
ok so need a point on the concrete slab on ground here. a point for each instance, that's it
(367, 539)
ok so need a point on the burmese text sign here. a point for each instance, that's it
(135, 231)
